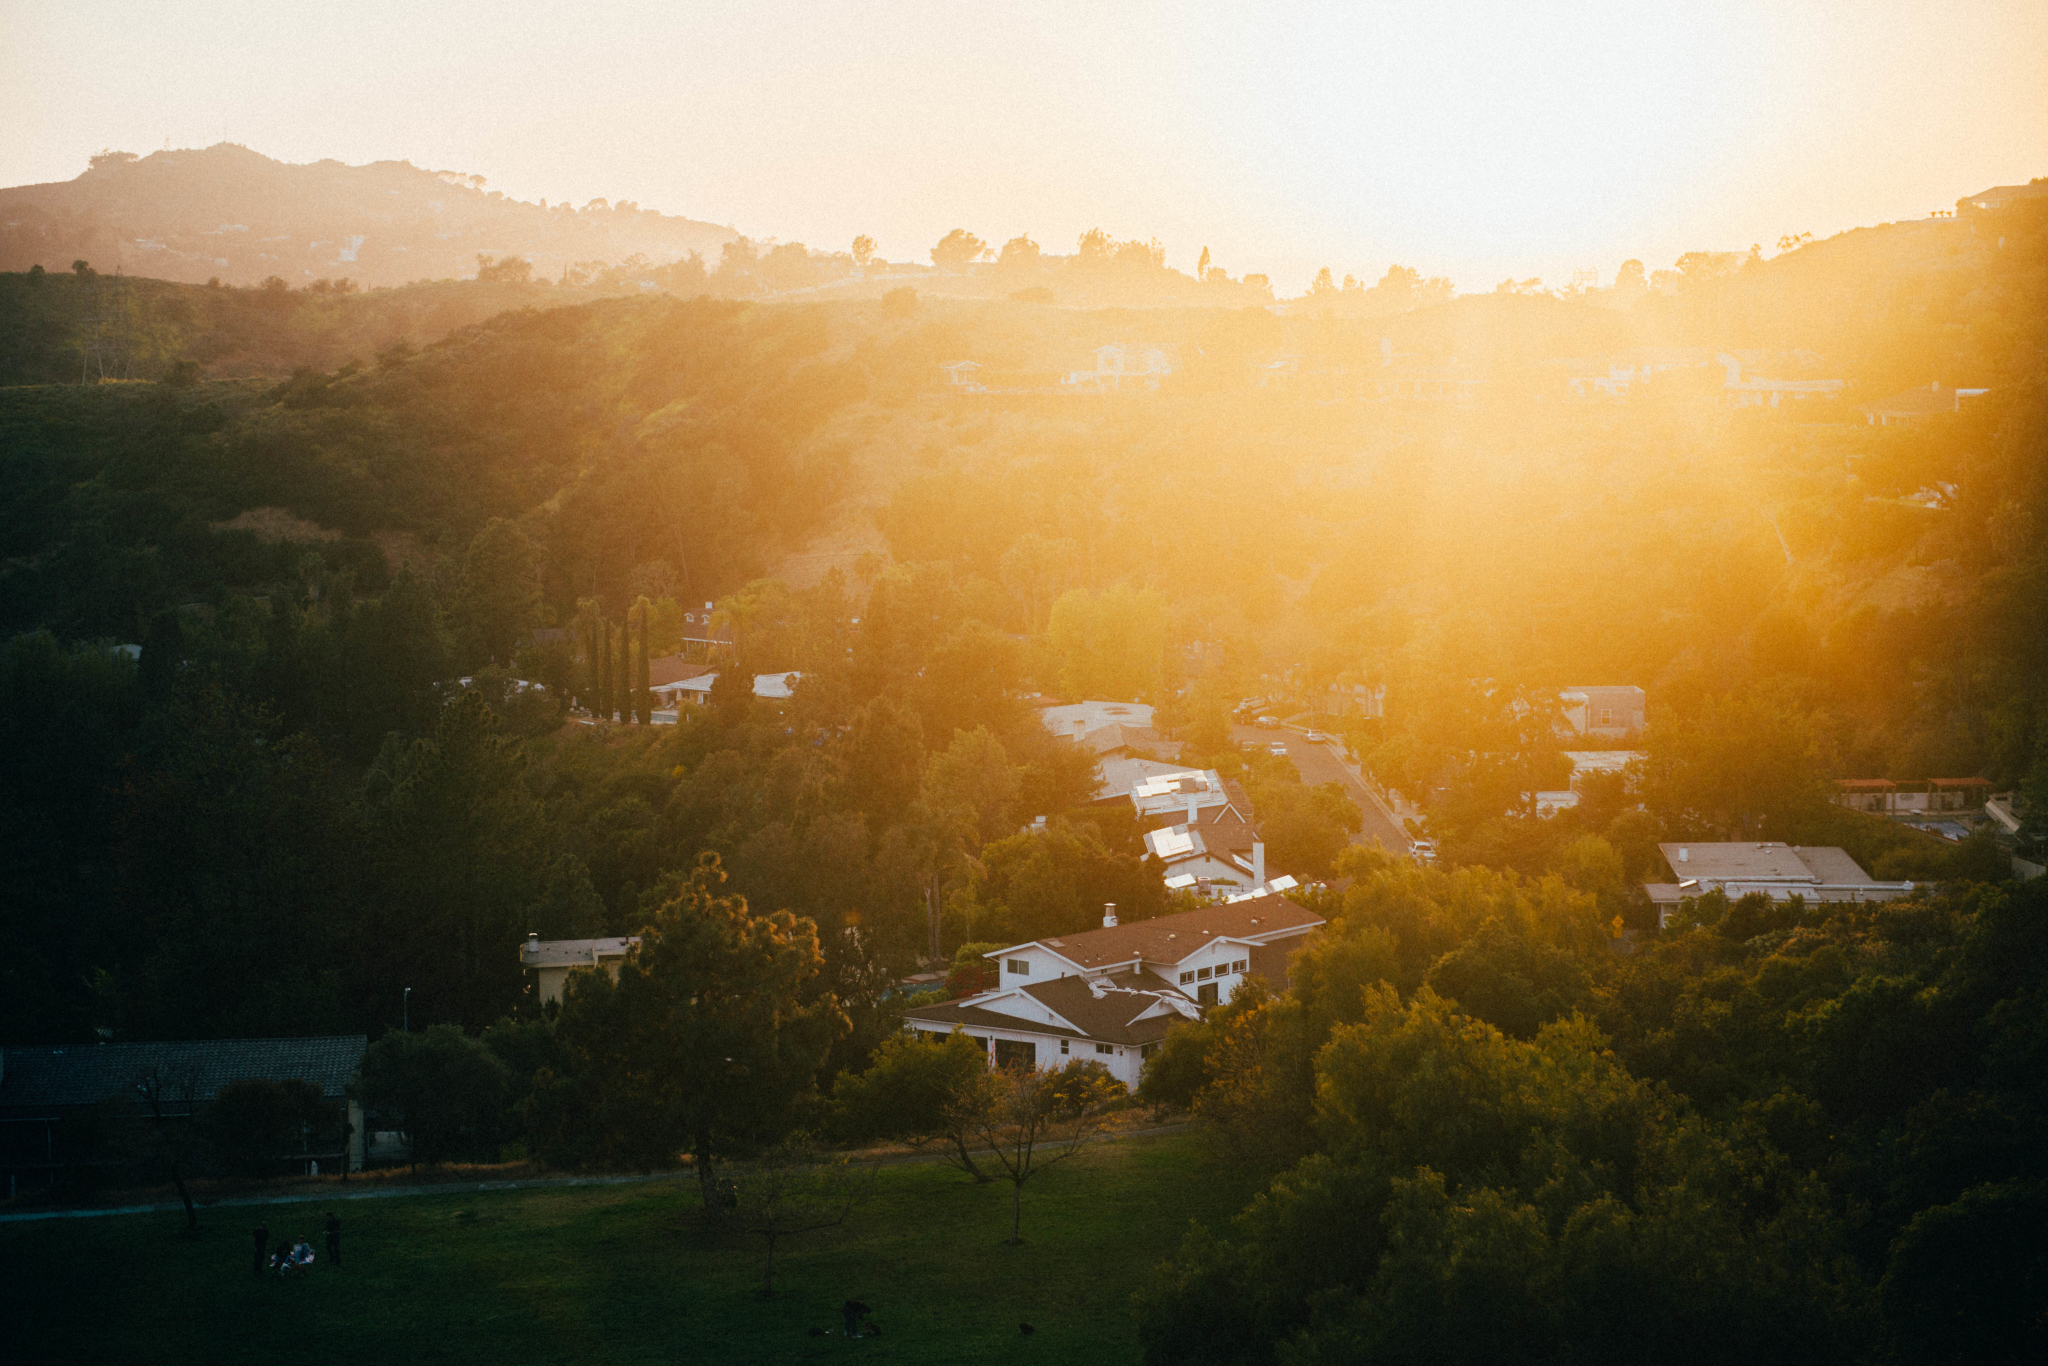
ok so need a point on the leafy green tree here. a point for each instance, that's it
(446, 1089)
(497, 601)
(1109, 644)
(973, 786)
(252, 1123)
(712, 1031)
(917, 1089)
(956, 249)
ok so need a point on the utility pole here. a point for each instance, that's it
(407, 1006)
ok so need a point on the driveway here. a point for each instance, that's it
(1322, 763)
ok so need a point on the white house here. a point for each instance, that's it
(696, 691)
(1111, 994)
(1603, 708)
(552, 960)
(1745, 387)
(1814, 873)
(1139, 365)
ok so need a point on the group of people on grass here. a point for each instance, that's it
(293, 1254)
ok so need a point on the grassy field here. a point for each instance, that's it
(627, 1274)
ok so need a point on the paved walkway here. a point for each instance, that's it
(371, 1191)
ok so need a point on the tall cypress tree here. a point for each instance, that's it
(601, 670)
(624, 685)
(646, 666)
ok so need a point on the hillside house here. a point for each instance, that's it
(1998, 196)
(1753, 379)
(1604, 709)
(1925, 796)
(1077, 721)
(1120, 365)
(962, 375)
(1814, 873)
(1109, 995)
(552, 960)
(1917, 405)
(695, 690)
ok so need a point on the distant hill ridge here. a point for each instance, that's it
(232, 213)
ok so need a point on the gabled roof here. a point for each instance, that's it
(1170, 938)
(45, 1077)
(1133, 1007)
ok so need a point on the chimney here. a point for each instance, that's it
(1684, 855)
(1194, 814)
(532, 942)
(1109, 915)
(1258, 863)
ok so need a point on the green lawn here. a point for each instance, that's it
(627, 1274)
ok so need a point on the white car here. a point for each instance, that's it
(1424, 850)
(1316, 737)
(1277, 748)
(1269, 720)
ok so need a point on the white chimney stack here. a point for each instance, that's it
(1193, 813)
(1684, 855)
(532, 942)
(1258, 864)
(1109, 915)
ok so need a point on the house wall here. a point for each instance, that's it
(1125, 1063)
(552, 978)
(1214, 964)
(1045, 966)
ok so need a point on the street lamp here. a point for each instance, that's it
(406, 1000)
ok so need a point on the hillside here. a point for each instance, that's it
(229, 213)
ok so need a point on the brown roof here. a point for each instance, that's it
(1170, 938)
(1274, 961)
(1865, 784)
(667, 669)
(1110, 1017)
(1959, 782)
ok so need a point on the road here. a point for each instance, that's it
(1320, 763)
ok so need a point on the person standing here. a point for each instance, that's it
(261, 1237)
(334, 1240)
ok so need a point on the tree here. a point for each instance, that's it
(1324, 288)
(863, 250)
(1202, 265)
(622, 680)
(497, 600)
(1110, 644)
(600, 646)
(918, 1089)
(712, 1031)
(1020, 254)
(505, 270)
(972, 785)
(644, 682)
(170, 1098)
(787, 1191)
(255, 1121)
(1031, 1120)
(447, 1090)
(956, 249)
(900, 302)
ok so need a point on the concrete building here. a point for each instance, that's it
(1814, 873)
(552, 960)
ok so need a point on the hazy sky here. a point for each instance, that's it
(1467, 138)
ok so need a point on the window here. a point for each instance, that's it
(1240, 965)
(1020, 967)
(1063, 1046)
(1016, 1053)
(1607, 716)
(1207, 994)
(1204, 974)
(1147, 1050)
(1104, 1048)
(1186, 978)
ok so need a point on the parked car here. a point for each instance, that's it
(1424, 850)
(1277, 748)
(1316, 737)
(1269, 720)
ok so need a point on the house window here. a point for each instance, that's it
(1063, 1046)
(1607, 716)
(1020, 967)
(1240, 965)
(1206, 995)
(1204, 974)
(1104, 1048)
(1186, 978)
(1147, 1050)
(1016, 1053)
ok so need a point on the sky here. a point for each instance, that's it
(1478, 139)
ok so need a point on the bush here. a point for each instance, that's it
(446, 1089)
(253, 1124)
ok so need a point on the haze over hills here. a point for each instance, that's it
(231, 213)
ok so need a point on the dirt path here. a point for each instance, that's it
(371, 1192)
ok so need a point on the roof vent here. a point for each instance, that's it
(1684, 854)
(532, 942)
